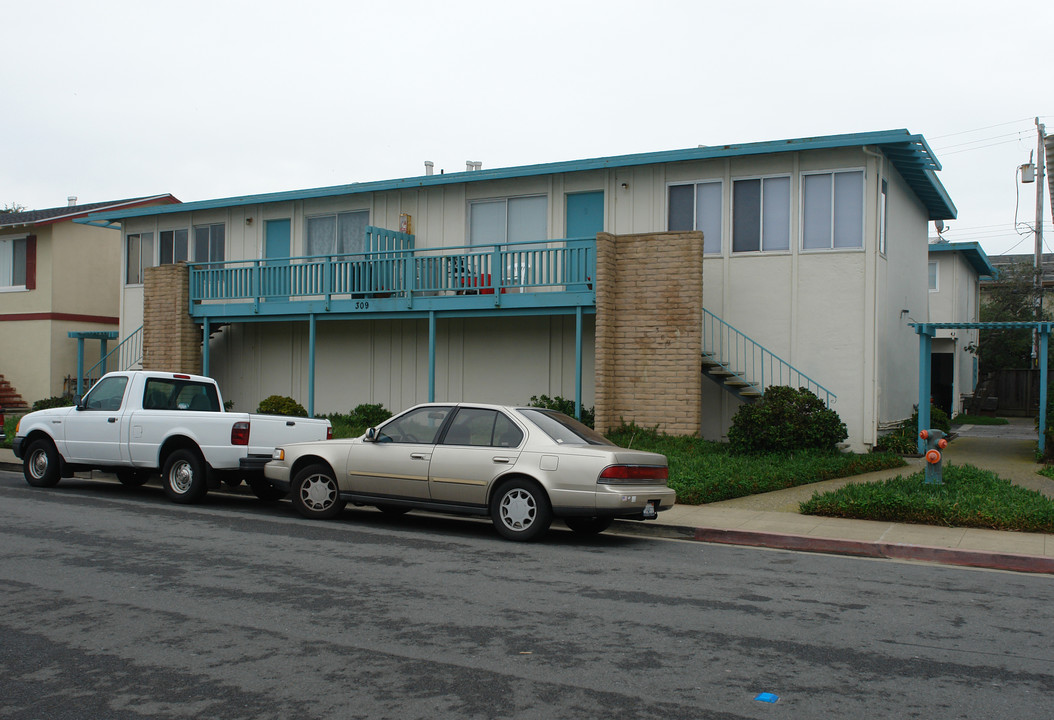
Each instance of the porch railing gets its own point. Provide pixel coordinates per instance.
(751, 361)
(557, 265)
(126, 355)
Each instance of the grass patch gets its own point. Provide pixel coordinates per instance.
(978, 420)
(10, 423)
(702, 471)
(969, 497)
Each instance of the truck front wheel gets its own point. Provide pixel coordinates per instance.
(184, 477)
(41, 465)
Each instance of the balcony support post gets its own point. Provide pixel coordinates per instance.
(205, 330)
(432, 356)
(311, 365)
(578, 362)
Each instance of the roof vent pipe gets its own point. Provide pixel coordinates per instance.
(71, 201)
(429, 167)
(473, 165)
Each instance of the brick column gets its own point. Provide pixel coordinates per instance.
(171, 340)
(649, 328)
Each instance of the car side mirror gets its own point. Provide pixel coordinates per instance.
(371, 435)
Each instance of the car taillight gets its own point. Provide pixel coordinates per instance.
(633, 473)
(240, 433)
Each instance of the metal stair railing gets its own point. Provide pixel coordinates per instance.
(742, 357)
(126, 355)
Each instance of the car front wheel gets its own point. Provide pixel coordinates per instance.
(315, 493)
(520, 510)
(41, 465)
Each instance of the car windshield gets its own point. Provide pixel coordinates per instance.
(562, 428)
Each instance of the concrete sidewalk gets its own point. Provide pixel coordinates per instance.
(772, 519)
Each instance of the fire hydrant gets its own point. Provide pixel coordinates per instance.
(935, 442)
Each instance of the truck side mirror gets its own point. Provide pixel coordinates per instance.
(79, 402)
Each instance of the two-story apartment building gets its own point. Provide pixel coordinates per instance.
(57, 277)
(660, 285)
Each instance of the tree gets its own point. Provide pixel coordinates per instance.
(1013, 297)
(12, 208)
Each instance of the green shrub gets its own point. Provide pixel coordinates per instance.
(54, 401)
(567, 407)
(905, 439)
(281, 405)
(785, 420)
(369, 415)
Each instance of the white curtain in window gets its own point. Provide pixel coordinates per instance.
(6, 263)
(776, 208)
(708, 215)
(487, 223)
(321, 235)
(849, 209)
(351, 227)
(816, 211)
(528, 219)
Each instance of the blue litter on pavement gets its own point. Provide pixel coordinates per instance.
(767, 697)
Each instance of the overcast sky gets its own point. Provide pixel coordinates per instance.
(113, 98)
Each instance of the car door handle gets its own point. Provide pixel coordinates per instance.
(500, 459)
(111, 420)
(419, 456)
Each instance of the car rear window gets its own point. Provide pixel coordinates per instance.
(563, 428)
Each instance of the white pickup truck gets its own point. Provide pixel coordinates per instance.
(137, 423)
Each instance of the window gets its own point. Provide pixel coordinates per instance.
(166, 394)
(13, 263)
(417, 426)
(173, 246)
(209, 243)
(697, 207)
(564, 429)
(139, 251)
(482, 428)
(509, 220)
(934, 265)
(107, 394)
(883, 207)
(761, 214)
(833, 210)
(338, 234)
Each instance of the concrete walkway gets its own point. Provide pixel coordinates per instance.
(772, 519)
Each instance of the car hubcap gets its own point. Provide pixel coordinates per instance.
(518, 509)
(317, 492)
(181, 477)
(38, 464)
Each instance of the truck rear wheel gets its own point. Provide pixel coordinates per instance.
(41, 465)
(184, 477)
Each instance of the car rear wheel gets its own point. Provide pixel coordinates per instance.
(520, 510)
(41, 465)
(184, 477)
(589, 526)
(315, 493)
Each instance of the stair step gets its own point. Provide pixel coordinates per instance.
(737, 382)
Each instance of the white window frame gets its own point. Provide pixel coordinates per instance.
(7, 263)
(935, 286)
(142, 266)
(761, 214)
(505, 231)
(708, 241)
(831, 247)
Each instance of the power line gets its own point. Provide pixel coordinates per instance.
(987, 127)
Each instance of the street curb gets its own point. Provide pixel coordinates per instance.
(889, 551)
(856, 548)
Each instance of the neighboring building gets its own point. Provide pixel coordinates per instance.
(56, 277)
(614, 279)
(955, 272)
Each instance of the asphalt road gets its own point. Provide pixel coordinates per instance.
(115, 603)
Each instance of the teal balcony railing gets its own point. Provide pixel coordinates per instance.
(556, 272)
(752, 362)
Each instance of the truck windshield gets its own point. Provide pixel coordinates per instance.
(174, 394)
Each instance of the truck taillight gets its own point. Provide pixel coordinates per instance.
(633, 473)
(329, 433)
(240, 433)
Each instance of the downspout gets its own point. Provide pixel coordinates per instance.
(880, 175)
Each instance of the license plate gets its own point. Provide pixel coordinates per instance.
(649, 509)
